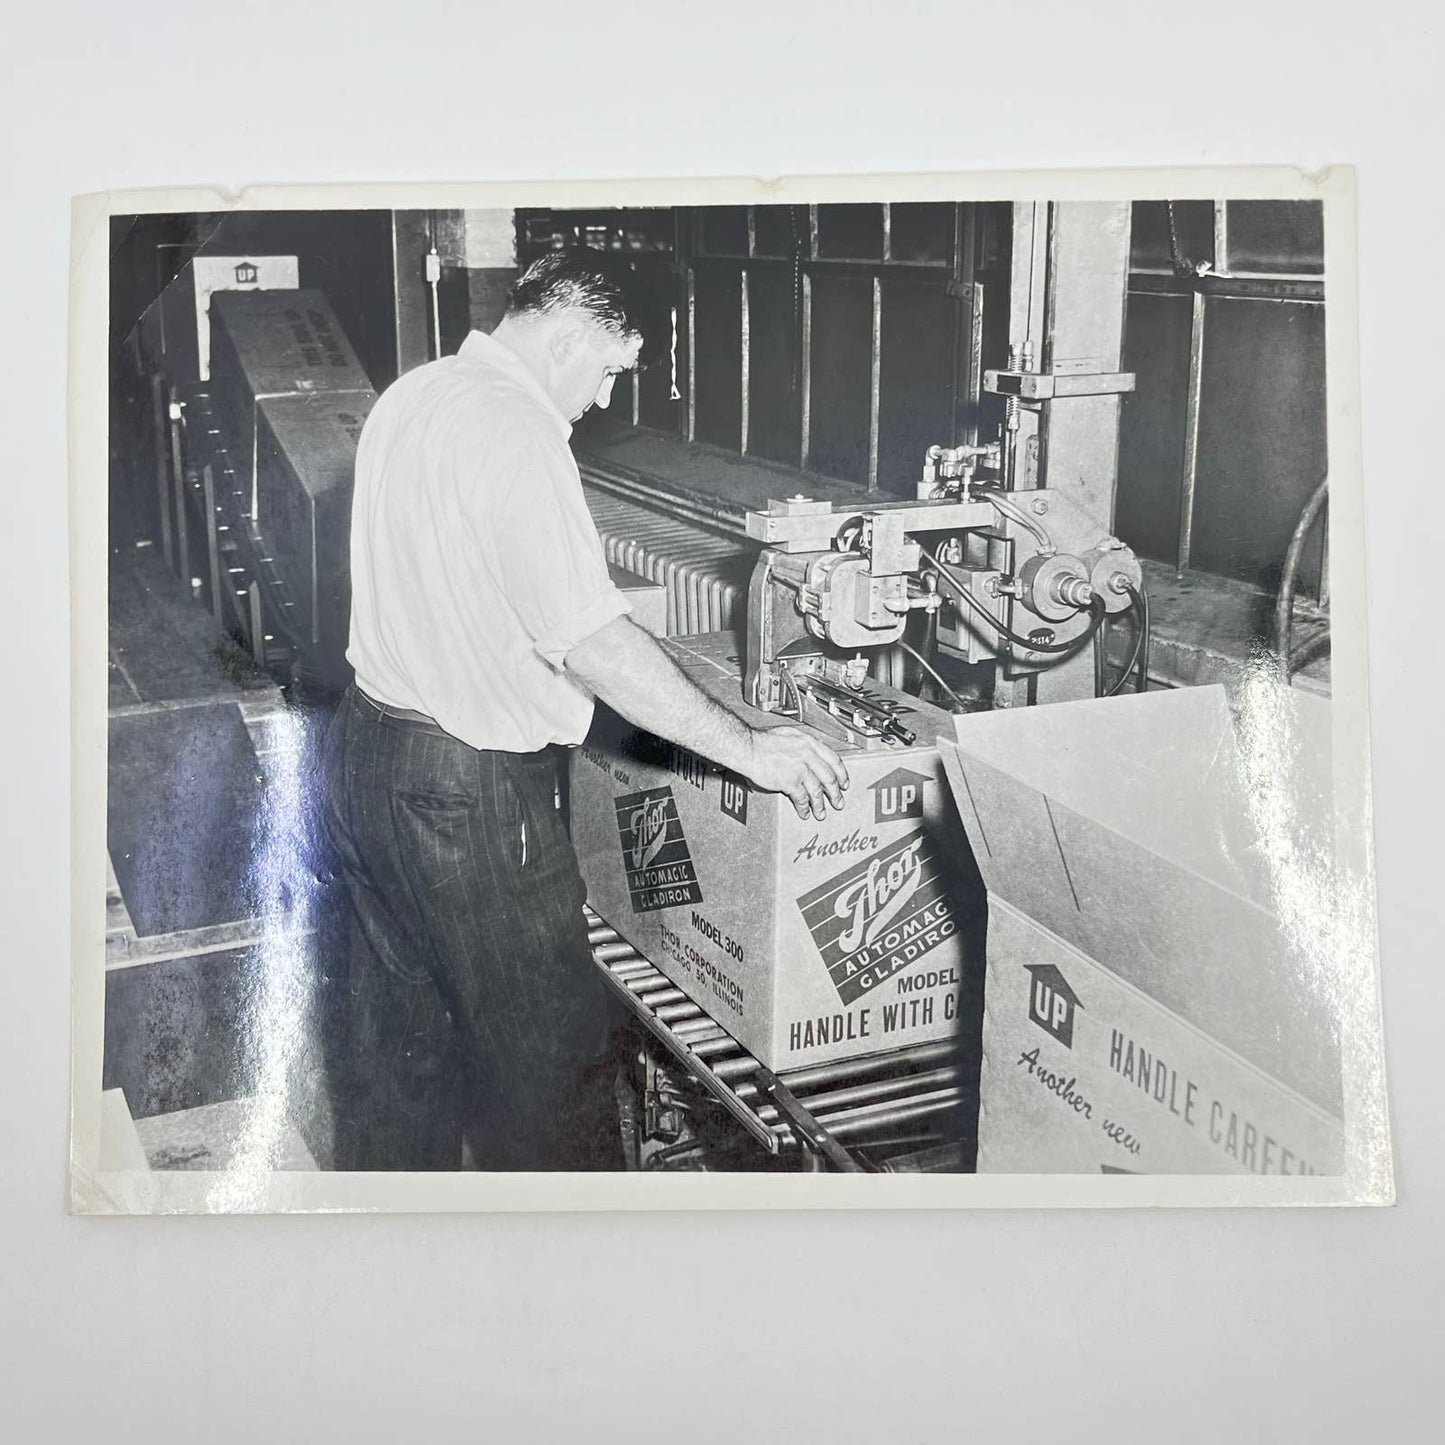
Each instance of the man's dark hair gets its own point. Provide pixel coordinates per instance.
(604, 286)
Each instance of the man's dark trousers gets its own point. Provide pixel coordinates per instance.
(472, 1006)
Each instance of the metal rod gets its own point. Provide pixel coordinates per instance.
(163, 494)
(614, 952)
(806, 369)
(674, 1013)
(746, 339)
(178, 488)
(887, 231)
(691, 354)
(713, 1048)
(734, 1068)
(629, 968)
(869, 1119)
(663, 998)
(886, 1088)
(648, 984)
(696, 1030)
(1221, 238)
(1191, 434)
(875, 392)
(855, 1122)
(820, 1074)
(975, 361)
(752, 231)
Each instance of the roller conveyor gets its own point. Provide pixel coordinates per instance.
(827, 1110)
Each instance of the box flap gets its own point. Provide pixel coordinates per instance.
(1181, 845)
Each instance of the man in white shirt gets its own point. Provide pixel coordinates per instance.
(484, 623)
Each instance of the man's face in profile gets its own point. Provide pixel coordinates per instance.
(589, 365)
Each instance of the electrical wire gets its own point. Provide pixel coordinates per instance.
(1138, 659)
(1096, 609)
(1142, 598)
(932, 672)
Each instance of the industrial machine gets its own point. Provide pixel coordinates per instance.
(1024, 579)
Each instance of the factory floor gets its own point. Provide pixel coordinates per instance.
(210, 811)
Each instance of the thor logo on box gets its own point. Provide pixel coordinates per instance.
(660, 873)
(1052, 1002)
(879, 916)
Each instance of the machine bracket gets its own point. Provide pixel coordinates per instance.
(1057, 386)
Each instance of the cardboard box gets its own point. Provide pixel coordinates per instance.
(274, 343)
(1150, 1006)
(305, 476)
(648, 599)
(179, 325)
(808, 941)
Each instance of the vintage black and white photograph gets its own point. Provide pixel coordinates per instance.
(614, 687)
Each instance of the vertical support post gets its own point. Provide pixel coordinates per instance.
(691, 354)
(875, 385)
(1069, 286)
(745, 336)
(806, 371)
(1028, 334)
(178, 487)
(213, 540)
(1221, 238)
(163, 486)
(1191, 434)
(973, 381)
(410, 300)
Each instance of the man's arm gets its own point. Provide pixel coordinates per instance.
(624, 666)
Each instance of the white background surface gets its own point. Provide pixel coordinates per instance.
(1203, 1326)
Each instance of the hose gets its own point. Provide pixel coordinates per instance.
(1139, 601)
(1284, 606)
(928, 667)
(1002, 502)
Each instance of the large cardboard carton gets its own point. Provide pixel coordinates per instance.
(808, 941)
(274, 343)
(178, 328)
(1156, 895)
(305, 477)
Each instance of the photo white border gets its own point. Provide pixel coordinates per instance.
(1367, 1176)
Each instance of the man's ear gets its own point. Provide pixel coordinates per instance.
(566, 337)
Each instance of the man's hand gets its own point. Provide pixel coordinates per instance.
(623, 666)
(797, 762)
